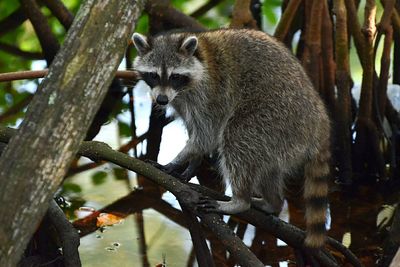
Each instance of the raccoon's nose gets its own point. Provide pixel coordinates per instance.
(162, 99)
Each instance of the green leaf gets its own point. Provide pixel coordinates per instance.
(124, 129)
(99, 177)
(270, 14)
(120, 173)
(71, 188)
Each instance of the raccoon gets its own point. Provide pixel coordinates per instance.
(243, 94)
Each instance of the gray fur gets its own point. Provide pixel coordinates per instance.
(250, 100)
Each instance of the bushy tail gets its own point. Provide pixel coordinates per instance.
(315, 196)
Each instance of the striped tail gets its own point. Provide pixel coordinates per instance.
(315, 196)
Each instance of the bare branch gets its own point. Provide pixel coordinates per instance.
(205, 8)
(12, 21)
(355, 29)
(164, 17)
(68, 234)
(343, 105)
(18, 52)
(384, 24)
(60, 12)
(35, 74)
(313, 43)
(242, 16)
(47, 40)
(286, 20)
(18, 107)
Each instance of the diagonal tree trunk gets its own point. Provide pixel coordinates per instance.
(37, 158)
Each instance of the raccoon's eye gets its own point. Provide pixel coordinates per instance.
(151, 78)
(178, 80)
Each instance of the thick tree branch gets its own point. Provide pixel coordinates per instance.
(68, 234)
(203, 254)
(37, 158)
(242, 16)
(286, 20)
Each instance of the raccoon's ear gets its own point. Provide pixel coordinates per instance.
(141, 44)
(189, 45)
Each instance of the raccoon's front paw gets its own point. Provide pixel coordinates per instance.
(154, 164)
(208, 205)
(170, 168)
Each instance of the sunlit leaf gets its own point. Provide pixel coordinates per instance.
(346, 240)
(142, 25)
(385, 215)
(270, 13)
(108, 219)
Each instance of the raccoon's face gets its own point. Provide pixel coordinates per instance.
(167, 64)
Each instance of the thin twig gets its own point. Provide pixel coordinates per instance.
(35, 74)
(18, 107)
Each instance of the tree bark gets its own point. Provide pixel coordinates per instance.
(343, 105)
(37, 158)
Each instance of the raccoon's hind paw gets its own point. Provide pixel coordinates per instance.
(208, 205)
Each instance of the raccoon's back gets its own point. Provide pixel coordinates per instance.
(268, 80)
(252, 58)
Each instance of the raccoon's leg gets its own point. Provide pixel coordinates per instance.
(241, 191)
(187, 160)
(191, 169)
(237, 204)
(271, 189)
(263, 205)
